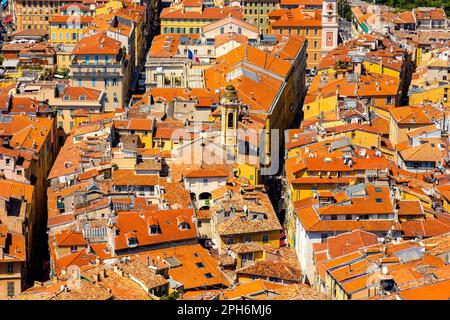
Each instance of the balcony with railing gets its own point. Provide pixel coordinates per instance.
(93, 67)
(97, 69)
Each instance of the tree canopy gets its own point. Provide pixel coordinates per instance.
(411, 4)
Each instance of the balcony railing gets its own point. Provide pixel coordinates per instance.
(93, 70)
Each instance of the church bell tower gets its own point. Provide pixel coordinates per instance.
(229, 105)
(330, 26)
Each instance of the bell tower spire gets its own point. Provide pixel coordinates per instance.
(229, 117)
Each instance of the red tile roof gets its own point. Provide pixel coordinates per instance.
(349, 242)
(69, 238)
(135, 224)
(206, 13)
(98, 43)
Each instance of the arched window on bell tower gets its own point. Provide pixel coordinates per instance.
(230, 120)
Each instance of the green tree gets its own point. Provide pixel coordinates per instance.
(174, 295)
(411, 4)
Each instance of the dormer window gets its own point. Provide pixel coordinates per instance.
(153, 225)
(154, 229)
(131, 239)
(132, 242)
(183, 223)
(184, 226)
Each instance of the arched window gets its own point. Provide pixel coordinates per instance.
(230, 120)
(205, 196)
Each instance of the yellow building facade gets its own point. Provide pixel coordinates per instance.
(434, 93)
(312, 109)
(272, 237)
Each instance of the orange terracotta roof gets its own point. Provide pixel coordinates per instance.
(133, 224)
(429, 13)
(127, 177)
(79, 259)
(172, 133)
(349, 242)
(210, 173)
(14, 189)
(410, 208)
(69, 238)
(28, 133)
(196, 263)
(312, 223)
(166, 45)
(295, 18)
(405, 17)
(428, 227)
(272, 269)
(71, 19)
(434, 291)
(12, 244)
(302, 2)
(227, 20)
(227, 37)
(206, 13)
(74, 93)
(98, 43)
(409, 115)
(250, 288)
(134, 124)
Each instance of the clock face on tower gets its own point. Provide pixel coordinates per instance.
(330, 7)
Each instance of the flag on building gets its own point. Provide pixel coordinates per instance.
(193, 57)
